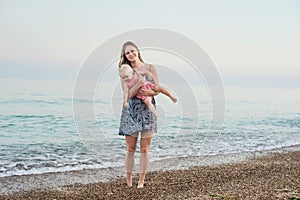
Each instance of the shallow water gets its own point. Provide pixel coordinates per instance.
(40, 131)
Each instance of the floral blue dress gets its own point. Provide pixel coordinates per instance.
(137, 117)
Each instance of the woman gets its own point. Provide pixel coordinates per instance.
(137, 118)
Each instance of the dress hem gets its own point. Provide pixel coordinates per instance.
(123, 134)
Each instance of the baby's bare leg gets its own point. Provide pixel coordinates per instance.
(150, 105)
(163, 90)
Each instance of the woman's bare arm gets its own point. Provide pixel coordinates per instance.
(134, 90)
(154, 75)
(149, 91)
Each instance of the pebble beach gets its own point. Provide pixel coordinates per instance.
(273, 176)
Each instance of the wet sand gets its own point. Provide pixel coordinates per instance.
(273, 176)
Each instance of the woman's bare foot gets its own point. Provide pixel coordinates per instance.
(140, 185)
(129, 179)
(129, 184)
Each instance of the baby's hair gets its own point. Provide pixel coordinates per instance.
(124, 68)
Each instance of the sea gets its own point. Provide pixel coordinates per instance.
(45, 128)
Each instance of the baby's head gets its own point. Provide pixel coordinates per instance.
(126, 72)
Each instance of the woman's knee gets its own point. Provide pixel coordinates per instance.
(145, 149)
(146, 141)
(131, 149)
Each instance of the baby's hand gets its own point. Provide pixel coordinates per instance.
(125, 104)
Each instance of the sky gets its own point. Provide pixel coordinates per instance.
(251, 42)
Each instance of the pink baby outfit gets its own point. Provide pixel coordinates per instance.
(146, 84)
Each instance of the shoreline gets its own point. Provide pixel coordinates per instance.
(67, 183)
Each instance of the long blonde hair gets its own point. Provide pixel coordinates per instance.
(123, 59)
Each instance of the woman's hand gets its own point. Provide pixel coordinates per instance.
(147, 92)
(135, 89)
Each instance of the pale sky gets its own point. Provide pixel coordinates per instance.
(250, 42)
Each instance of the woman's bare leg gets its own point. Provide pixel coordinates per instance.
(131, 141)
(148, 102)
(146, 137)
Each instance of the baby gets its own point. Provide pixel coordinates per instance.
(132, 78)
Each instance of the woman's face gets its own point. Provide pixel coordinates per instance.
(131, 53)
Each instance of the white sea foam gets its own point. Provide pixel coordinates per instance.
(38, 134)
